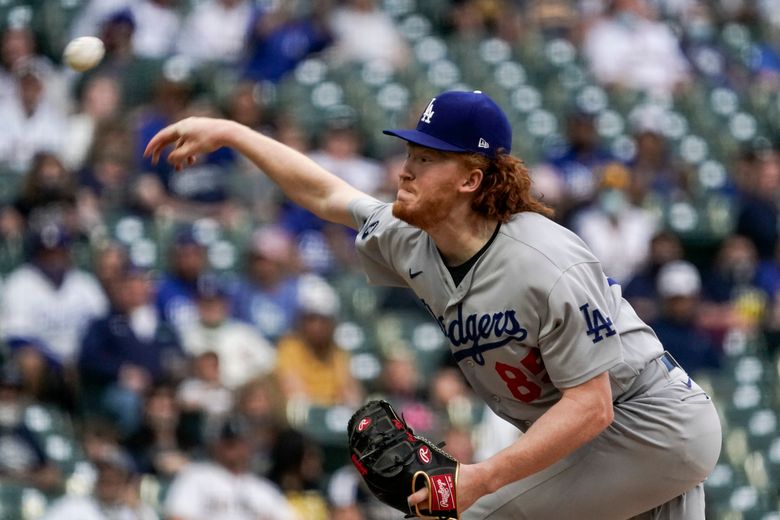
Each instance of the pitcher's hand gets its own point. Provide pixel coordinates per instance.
(471, 485)
(190, 137)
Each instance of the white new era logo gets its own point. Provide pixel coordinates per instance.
(483, 143)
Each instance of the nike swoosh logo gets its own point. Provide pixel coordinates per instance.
(414, 275)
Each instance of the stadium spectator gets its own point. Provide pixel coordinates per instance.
(310, 365)
(262, 405)
(32, 123)
(222, 486)
(401, 383)
(203, 393)
(297, 470)
(177, 290)
(49, 192)
(93, 14)
(324, 248)
(109, 262)
(107, 185)
(127, 351)
(17, 45)
(279, 39)
(43, 378)
(168, 437)
(758, 214)
(340, 151)
(48, 298)
(135, 74)
(200, 191)
(267, 296)
(629, 49)
(115, 495)
(679, 286)
(158, 23)
(641, 290)
(243, 353)
(617, 231)
(23, 459)
(732, 297)
(653, 168)
(578, 164)
(365, 33)
(215, 31)
(99, 101)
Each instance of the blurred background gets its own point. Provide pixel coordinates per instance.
(191, 345)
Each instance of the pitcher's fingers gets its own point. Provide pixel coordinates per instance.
(421, 495)
(182, 151)
(163, 138)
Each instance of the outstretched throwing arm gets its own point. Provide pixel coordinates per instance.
(301, 179)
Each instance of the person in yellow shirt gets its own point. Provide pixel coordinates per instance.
(310, 365)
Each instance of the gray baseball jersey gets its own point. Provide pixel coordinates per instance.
(534, 315)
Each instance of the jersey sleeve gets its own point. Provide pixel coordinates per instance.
(578, 339)
(374, 241)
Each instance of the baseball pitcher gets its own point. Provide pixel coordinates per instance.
(614, 427)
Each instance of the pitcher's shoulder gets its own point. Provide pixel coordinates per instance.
(559, 245)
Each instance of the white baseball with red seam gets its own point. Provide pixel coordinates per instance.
(83, 53)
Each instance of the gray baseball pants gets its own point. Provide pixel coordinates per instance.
(648, 464)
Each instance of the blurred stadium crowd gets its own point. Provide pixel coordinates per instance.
(190, 345)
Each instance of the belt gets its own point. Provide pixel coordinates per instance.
(669, 362)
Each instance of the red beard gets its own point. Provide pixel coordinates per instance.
(428, 210)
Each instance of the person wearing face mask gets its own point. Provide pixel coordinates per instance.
(732, 292)
(618, 232)
(49, 191)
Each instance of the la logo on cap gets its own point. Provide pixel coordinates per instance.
(428, 114)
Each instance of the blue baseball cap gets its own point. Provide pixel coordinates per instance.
(461, 122)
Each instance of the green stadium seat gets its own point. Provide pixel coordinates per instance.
(10, 184)
(55, 431)
(721, 483)
(414, 332)
(18, 502)
(326, 426)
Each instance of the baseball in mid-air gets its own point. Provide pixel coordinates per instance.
(83, 53)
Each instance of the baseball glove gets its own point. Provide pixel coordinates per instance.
(394, 462)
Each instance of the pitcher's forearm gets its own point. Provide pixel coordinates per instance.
(305, 182)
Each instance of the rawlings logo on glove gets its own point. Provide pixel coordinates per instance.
(394, 462)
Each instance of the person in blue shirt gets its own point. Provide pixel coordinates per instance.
(128, 351)
(177, 290)
(267, 296)
(679, 285)
(279, 40)
(579, 162)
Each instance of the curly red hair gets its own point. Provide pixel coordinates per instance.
(505, 188)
